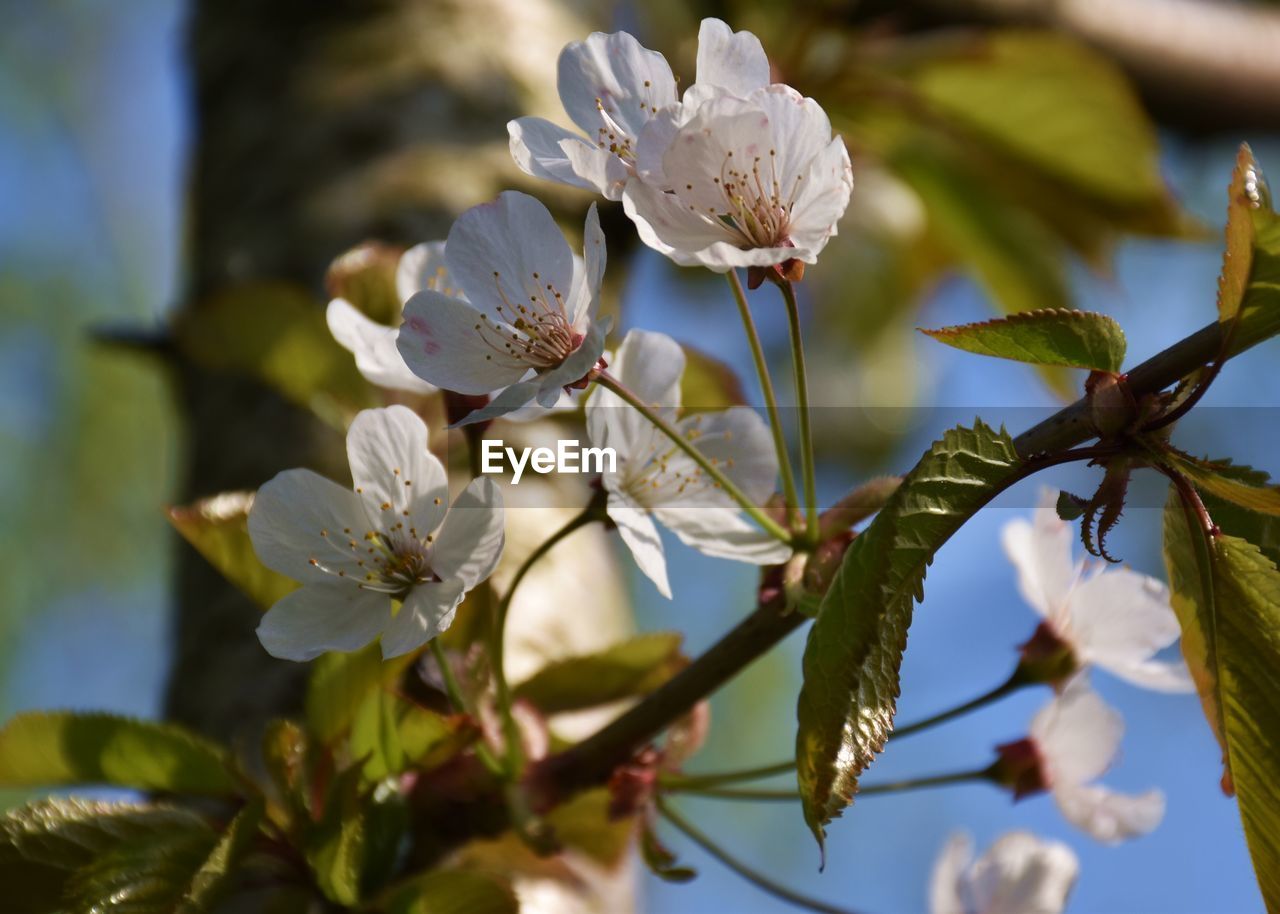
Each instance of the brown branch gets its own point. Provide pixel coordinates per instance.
(590, 762)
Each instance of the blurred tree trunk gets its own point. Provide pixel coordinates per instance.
(316, 126)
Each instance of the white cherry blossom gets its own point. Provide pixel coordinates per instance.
(1019, 874)
(726, 182)
(611, 86)
(656, 480)
(394, 538)
(524, 318)
(1109, 617)
(1073, 741)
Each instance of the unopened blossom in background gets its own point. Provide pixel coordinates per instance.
(1073, 741)
(1109, 617)
(524, 320)
(374, 344)
(611, 86)
(1019, 874)
(394, 538)
(655, 480)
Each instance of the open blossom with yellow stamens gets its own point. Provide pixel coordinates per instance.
(726, 182)
(654, 479)
(524, 320)
(611, 87)
(395, 537)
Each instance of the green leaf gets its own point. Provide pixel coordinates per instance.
(1259, 529)
(40, 749)
(276, 332)
(455, 892)
(286, 755)
(1226, 593)
(392, 735)
(218, 529)
(1053, 103)
(584, 824)
(335, 848)
(1242, 486)
(1066, 338)
(632, 668)
(151, 875)
(340, 683)
(1249, 285)
(212, 879)
(1237, 253)
(386, 822)
(708, 383)
(854, 650)
(1070, 507)
(44, 843)
(1011, 254)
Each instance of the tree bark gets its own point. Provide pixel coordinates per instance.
(306, 116)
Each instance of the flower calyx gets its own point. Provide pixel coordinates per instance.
(1020, 767)
(1046, 658)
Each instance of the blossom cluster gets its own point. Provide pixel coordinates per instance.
(736, 172)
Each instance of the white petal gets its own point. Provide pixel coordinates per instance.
(439, 343)
(724, 533)
(427, 611)
(799, 130)
(323, 617)
(374, 346)
(948, 874)
(1040, 550)
(1021, 874)
(595, 256)
(504, 403)
(726, 133)
(299, 516)
(1157, 675)
(823, 198)
(649, 364)
(400, 481)
(687, 237)
(1107, 815)
(423, 266)
(601, 169)
(739, 442)
(568, 401)
(470, 542)
(641, 536)
(617, 73)
(1077, 733)
(657, 135)
(536, 149)
(734, 61)
(1120, 619)
(515, 237)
